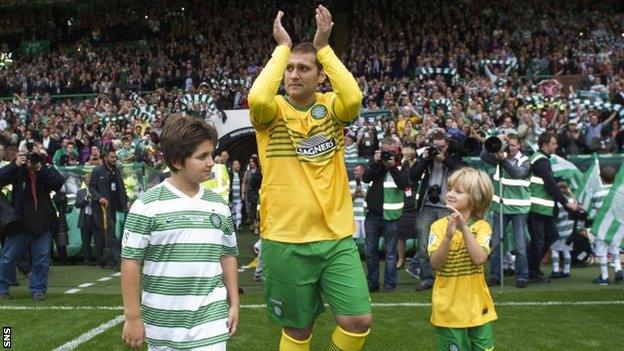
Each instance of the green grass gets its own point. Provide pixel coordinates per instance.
(520, 327)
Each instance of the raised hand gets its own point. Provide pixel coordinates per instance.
(279, 33)
(324, 26)
(455, 220)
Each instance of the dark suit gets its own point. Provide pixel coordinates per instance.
(86, 226)
(100, 186)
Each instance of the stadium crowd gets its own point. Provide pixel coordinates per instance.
(470, 69)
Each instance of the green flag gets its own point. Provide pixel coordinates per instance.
(609, 222)
(565, 169)
(589, 184)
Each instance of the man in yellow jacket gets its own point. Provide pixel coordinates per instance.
(305, 202)
(220, 182)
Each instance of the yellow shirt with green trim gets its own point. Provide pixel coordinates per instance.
(305, 193)
(460, 297)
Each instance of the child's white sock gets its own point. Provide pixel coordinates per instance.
(567, 260)
(604, 273)
(555, 260)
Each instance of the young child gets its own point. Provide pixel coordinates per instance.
(184, 238)
(459, 244)
(565, 226)
(607, 175)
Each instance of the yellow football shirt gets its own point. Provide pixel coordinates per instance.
(305, 193)
(460, 297)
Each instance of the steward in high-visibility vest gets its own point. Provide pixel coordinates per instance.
(516, 194)
(544, 194)
(220, 183)
(541, 201)
(516, 203)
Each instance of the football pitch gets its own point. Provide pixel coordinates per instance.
(83, 311)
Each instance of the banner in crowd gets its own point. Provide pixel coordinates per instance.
(374, 116)
(609, 222)
(434, 71)
(509, 62)
(137, 177)
(35, 46)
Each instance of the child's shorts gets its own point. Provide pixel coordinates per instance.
(479, 338)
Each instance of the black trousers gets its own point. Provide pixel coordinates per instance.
(109, 252)
(543, 232)
(89, 234)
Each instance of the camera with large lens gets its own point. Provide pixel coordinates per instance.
(433, 151)
(386, 155)
(10, 222)
(434, 193)
(579, 215)
(494, 144)
(33, 157)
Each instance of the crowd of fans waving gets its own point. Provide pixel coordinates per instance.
(473, 69)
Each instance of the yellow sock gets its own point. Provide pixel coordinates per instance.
(289, 344)
(346, 341)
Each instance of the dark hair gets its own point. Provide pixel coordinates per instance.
(438, 135)
(544, 138)
(255, 160)
(180, 137)
(607, 174)
(515, 137)
(307, 48)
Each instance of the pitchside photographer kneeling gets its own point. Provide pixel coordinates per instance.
(32, 182)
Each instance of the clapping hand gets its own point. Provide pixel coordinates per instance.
(279, 33)
(324, 26)
(455, 221)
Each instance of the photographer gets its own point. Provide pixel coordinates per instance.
(438, 161)
(32, 183)
(385, 205)
(516, 204)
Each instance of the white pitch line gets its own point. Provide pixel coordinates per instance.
(62, 308)
(86, 285)
(90, 334)
(398, 304)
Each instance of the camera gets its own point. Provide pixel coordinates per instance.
(33, 157)
(494, 144)
(386, 155)
(434, 193)
(580, 215)
(433, 151)
(9, 219)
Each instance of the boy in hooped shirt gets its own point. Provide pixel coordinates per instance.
(185, 238)
(459, 244)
